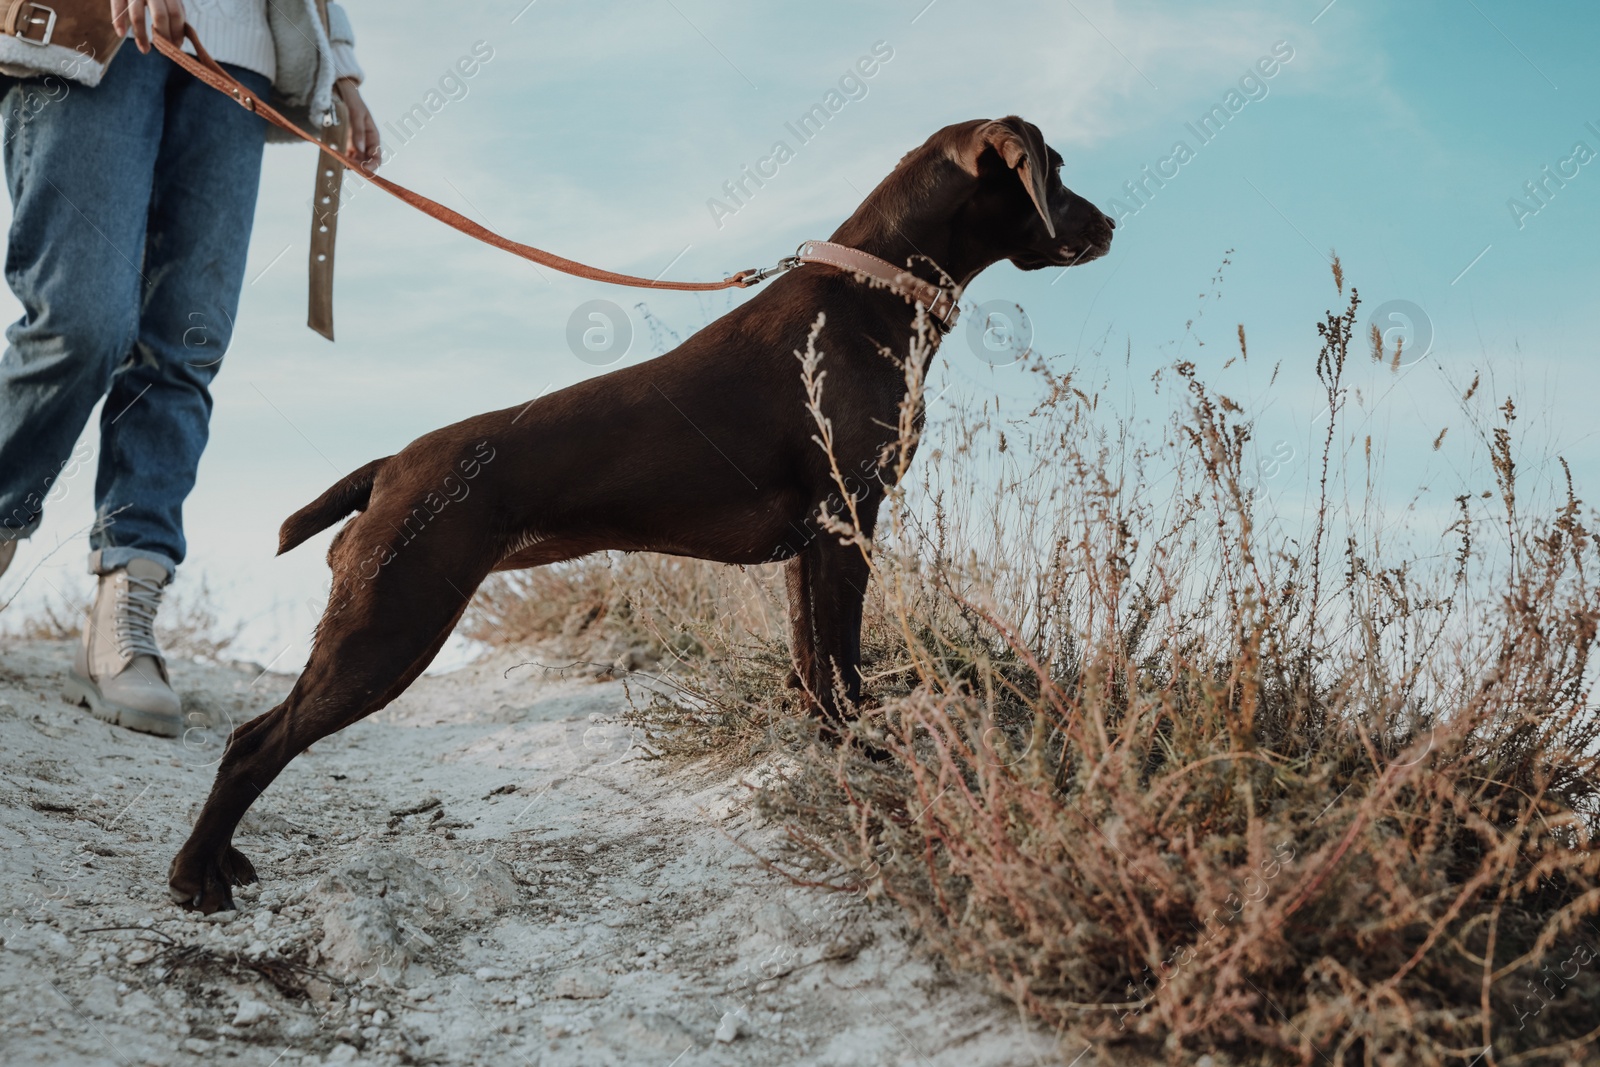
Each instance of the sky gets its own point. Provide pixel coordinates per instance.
(1403, 138)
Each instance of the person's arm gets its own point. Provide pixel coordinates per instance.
(362, 141)
(167, 15)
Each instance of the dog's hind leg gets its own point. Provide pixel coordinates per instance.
(376, 636)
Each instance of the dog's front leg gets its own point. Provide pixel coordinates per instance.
(827, 584)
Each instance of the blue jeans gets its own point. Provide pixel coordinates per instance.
(132, 205)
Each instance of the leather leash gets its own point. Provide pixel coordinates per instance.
(940, 301)
(202, 66)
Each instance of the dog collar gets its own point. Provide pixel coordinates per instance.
(938, 300)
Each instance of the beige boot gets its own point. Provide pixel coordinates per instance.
(8, 551)
(119, 673)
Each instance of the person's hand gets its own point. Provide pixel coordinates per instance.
(166, 14)
(362, 140)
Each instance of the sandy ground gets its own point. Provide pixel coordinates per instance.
(487, 872)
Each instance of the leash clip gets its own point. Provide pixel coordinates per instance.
(755, 277)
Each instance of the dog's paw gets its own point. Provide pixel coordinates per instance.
(205, 884)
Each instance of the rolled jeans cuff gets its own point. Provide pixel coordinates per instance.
(106, 560)
(8, 532)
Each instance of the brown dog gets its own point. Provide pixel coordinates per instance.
(707, 451)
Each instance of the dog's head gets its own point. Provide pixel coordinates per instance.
(976, 193)
(1017, 200)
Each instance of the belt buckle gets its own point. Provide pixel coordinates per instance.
(31, 17)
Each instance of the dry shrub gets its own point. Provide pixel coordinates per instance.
(707, 636)
(187, 627)
(1174, 773)
(567, 600)
(49, 620)
(1168, 770)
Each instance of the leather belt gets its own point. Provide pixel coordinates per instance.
(77, 25)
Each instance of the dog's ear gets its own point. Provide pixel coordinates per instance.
(1021, 146)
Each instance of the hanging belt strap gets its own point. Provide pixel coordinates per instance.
(325, 213)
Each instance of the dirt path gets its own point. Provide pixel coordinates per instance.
(493, 876)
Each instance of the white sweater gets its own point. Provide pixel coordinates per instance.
(236, 31)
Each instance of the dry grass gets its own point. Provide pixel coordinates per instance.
(1172, 773)
(188, 625)
(709, 635)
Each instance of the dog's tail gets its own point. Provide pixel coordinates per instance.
(348, 494)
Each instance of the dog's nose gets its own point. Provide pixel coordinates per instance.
(1111, 223)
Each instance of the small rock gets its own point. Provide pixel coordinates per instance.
(731, 1026)
(778, 921)
(490, 974)
(139, 1005)
(360, 937)
(582, 985)
(102, 993)
(250, 1012)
